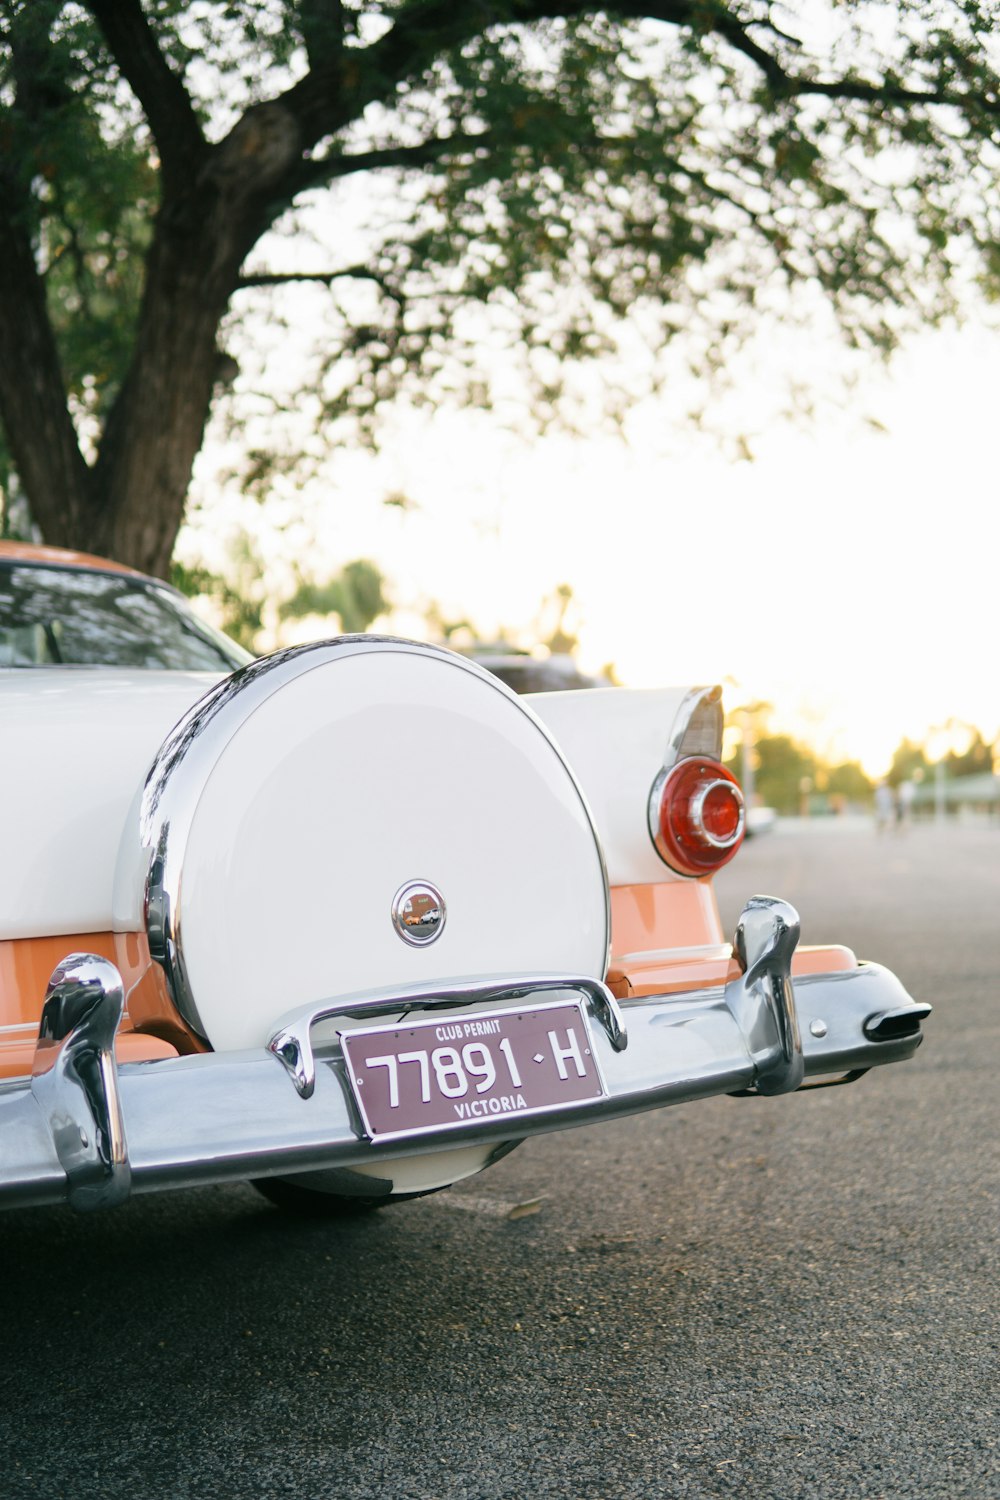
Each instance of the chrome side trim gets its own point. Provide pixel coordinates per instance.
(188, 754)
(74, 1080)
(291, 1041)
(674, 955)
(697, 726)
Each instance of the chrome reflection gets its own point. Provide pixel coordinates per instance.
(292, 1040)
(75, 1080)
(763, 1002)
(697, 814)
(697, 726)
(892, 1025)
(419, 913)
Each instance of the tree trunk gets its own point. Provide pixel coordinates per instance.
(38, 425)
(140, 481)
(203, 234)
(130, 503)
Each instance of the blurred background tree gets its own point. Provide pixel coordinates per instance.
(849, 782)
(237, 596)
(969, 753)
(356, 596)
(974, 760)
(782, 767)
(552, 179)
(909, 763)
(240, 597)
(782, 772)
(791, 777)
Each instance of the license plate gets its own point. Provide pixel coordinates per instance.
(461, 1071)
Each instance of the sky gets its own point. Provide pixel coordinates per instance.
(848, 574)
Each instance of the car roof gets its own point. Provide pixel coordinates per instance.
(61, 557)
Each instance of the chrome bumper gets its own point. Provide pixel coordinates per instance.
(89, 1132)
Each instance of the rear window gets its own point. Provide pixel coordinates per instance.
(75, 617)
(528, 675)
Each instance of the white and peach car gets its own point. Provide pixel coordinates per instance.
(353, 920)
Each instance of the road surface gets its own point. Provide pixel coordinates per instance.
(788, 1298)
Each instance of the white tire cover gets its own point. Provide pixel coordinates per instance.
(286, 812)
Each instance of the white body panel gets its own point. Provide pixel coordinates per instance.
(88, 736)
(617, 740)
(75, 743)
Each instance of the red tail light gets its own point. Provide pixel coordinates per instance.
(696, 816)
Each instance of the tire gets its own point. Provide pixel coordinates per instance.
(313, 1203)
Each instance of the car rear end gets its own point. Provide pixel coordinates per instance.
(394, 920)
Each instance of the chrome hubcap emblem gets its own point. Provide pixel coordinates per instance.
(418, 913)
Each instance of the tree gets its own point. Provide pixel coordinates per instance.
(538, 168)
(783, 769)
(973, 761)
(849, 782)
(356, 594)
(909, 763)
(241, 596)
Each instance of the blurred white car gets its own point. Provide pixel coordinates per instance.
(760, 820)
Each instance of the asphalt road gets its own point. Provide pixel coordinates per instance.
(796, 1297)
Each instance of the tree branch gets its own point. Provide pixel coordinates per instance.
(162, 95)
(323, 278)
(320, 171)
(335, 94)
(424, 30)
(712, 18)
(890, 95)
(322, 23)
(717, 19)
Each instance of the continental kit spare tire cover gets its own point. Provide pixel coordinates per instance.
(295, 821)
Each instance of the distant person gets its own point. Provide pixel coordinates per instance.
(885, 807)
(905, 794)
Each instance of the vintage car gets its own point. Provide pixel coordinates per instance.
(352, 920)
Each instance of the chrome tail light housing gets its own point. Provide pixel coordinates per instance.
(696, 815)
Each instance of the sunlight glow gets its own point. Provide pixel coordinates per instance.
(848, 575)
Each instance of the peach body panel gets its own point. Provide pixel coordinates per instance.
(62, 557)
(676, 914)
(150, 1029)
(668, 938)
(656, 932)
